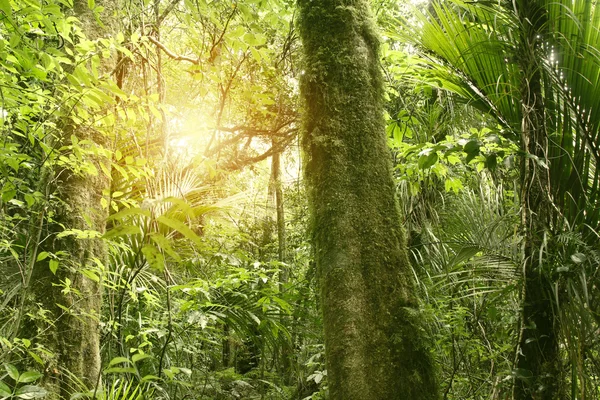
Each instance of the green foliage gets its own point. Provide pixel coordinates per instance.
(170, 111)
(20, 386)
(465, 261)
(481, 53)
(119, 390)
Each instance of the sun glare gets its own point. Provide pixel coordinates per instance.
(189, 134)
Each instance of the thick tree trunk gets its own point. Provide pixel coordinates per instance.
(538, 355)
(374, 339)
(72, 299)
(70, 329)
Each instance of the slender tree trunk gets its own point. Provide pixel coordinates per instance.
(281, 256)
(160, 82)
(286, 347)
(374, 338)
(538, 355)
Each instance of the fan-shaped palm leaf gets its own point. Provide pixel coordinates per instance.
(474, 49)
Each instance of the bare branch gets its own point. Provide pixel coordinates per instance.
(172, 55)
(276, 148)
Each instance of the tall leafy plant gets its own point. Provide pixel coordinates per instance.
(524, 64)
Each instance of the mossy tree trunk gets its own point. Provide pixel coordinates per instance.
(375, 342)
(71, 299)
(538, 362)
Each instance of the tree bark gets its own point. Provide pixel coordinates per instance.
(376, 346)
(538, 356)
(72, 333)
(71, 300)
(278, 184)
(284, 273)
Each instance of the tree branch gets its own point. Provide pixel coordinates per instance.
(242, 132)
(166, 12)
(278, 148)
(172, 55)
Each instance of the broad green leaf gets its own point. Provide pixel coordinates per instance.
(164, 244)
(137, 357)
(179, 204)
(5, 390)
(8, 192)
(53, 266)
(31, 392)
(472, 150)
(122, 230)
(12, 371)
(37, 358)
(169, 373)
(154, 257)
(5, 8)
(29, 199)
(255, 54)
(126, 212)
(428, 160)
(453, 184)
(90, 274)
(472, 146)
(119, 360)
(491, 161)
(14, 253)
(121, 170)
(29, 376)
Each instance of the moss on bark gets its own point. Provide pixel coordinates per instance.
(375, 342)
(72, 301)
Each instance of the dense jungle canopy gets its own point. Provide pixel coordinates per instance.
(311, 199)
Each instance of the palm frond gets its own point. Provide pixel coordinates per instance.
(473, 248)
(468, 51)
(573, 81)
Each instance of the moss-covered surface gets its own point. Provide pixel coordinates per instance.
(70, 329)
(72, 301)
(374, 339)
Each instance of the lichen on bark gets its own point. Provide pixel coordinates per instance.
(375, 342)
